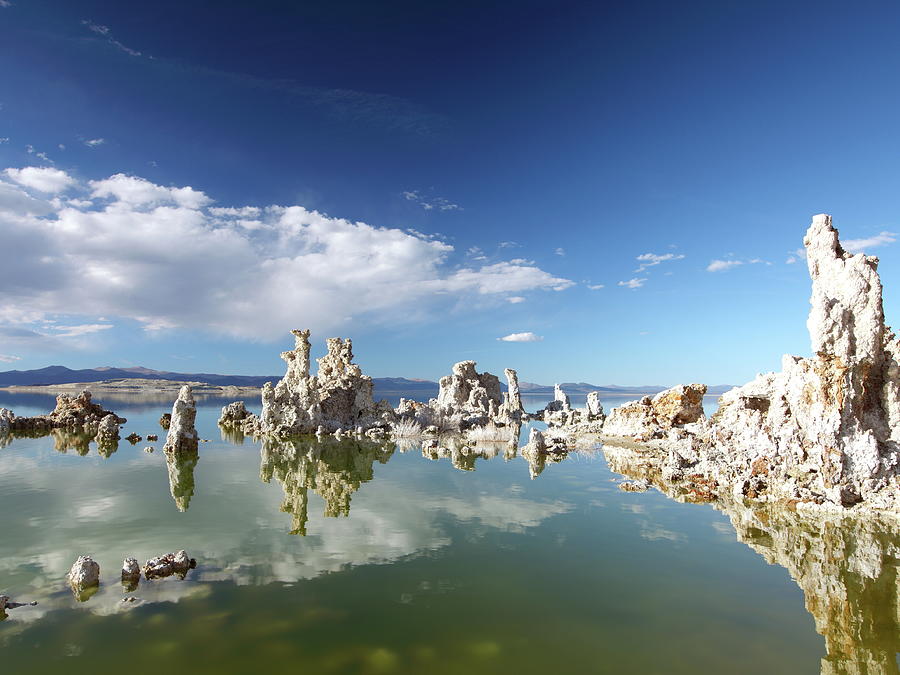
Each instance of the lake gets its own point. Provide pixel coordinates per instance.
(352, 557)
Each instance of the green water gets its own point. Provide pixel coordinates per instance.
(361, 558)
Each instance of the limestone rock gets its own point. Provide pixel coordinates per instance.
(234, 414)
(512, 407)
(825, 429)
(131, 570)
(648, 417)
(73, 413)
(182, 436)
(84, 574)
(107, 430)
(6, 419)
(339, 396)
(469, 392)
(166, 565)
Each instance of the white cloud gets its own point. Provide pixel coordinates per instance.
(43, 179)
(94, 142)
(651, 259)
(104, 31)
(431, 203)
(722, 265)
(3, 140)
(83, 329)
(160, 256)
(7, 358)
(794, 256)
(515, 299)
(860, 245)
(131, 191)
(521, 337)
(597, 287)
(5, 3)
(633, 283)
(560, 251)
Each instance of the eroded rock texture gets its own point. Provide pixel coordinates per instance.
(338, 397)
(825, 429)
(821, 434)
(84, 577)
(71, 413)
(182, 436)
(469, 393)
(653, 417)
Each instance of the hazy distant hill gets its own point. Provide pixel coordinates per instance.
(384, 386)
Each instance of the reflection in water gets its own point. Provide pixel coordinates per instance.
(65, 440)
(180, 466)
(846, 568)
(332, 469)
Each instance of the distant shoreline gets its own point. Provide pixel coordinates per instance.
(132, 386)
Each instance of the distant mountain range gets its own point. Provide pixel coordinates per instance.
(384, 386)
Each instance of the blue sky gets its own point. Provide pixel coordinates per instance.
(429, 177)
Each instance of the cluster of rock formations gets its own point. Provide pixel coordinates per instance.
(72, 414)
(84, 576)
(823, 433)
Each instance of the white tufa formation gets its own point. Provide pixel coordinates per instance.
(653, 417)
(85, 573)
(825, 429)
(182, 436)
(339, 397)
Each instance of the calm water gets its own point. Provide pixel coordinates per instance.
(362, 558)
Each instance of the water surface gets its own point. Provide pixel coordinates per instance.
(367, 558)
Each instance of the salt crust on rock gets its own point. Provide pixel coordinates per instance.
(822, 434)
(182, 436)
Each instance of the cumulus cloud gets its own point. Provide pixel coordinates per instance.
(633, 283)
(163, 256)
(521, 337)
(7, 358)
(43, 179)
(597, 287)
(560, 251)
(94, 142)
(652, 259)
(515, 299)
(860, 245)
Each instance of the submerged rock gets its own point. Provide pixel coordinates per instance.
(182, 436)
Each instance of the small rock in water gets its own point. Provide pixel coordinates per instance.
(149, 448)
(152, 437)
(635, 486)
(169, 564)
(165, 420)
(85, 573)
(133, 438)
